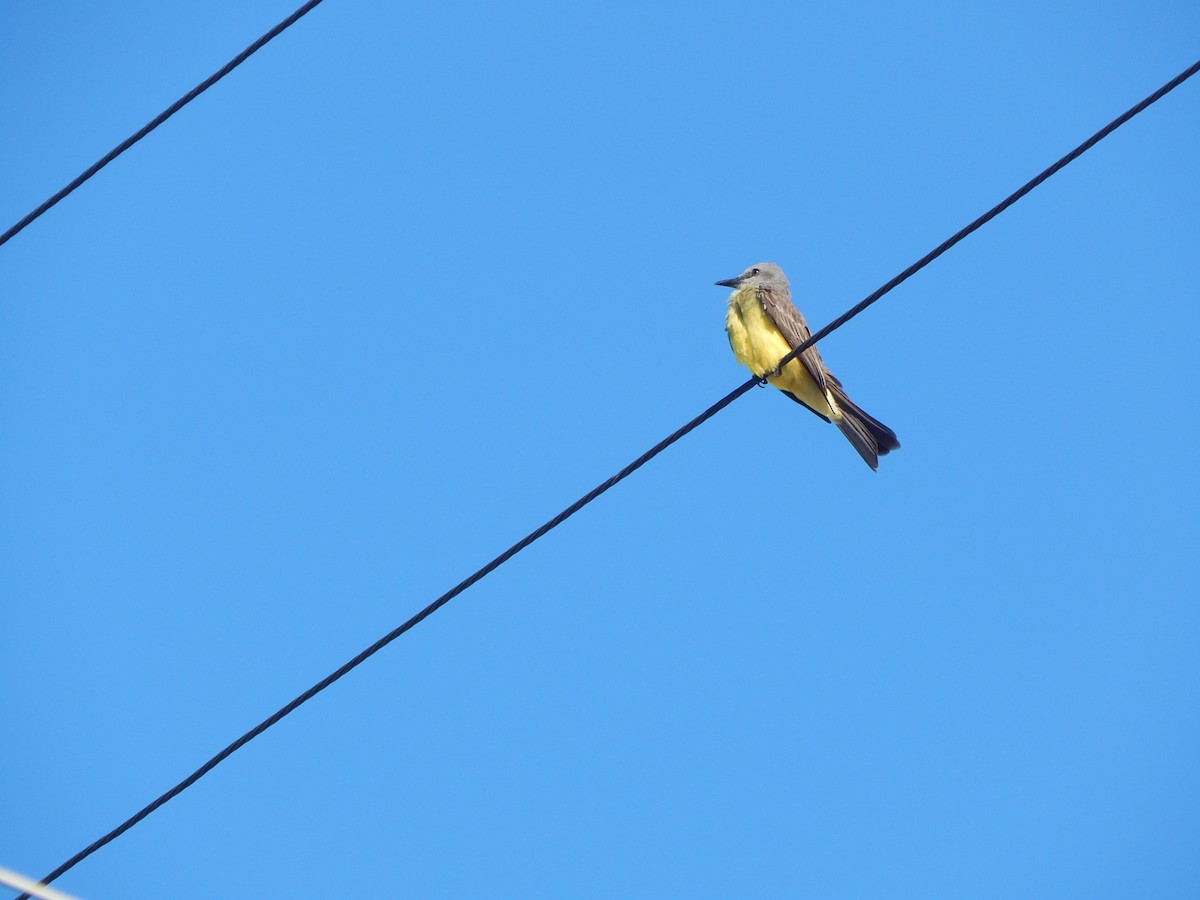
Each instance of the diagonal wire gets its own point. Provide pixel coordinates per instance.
(158, 120)
(611, 482)
(996, 210)
(32, 888)
(397, 632)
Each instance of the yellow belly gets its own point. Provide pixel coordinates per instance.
(758, 345)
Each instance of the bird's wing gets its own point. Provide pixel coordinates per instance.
(791, 324)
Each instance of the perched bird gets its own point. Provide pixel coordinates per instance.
(764, 326)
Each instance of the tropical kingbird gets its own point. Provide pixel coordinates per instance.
(764, 327)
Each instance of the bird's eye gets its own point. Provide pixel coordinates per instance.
(754, 271)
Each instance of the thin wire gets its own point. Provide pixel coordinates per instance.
(604, 486)
(392, 635)
(995, 210)
(159, 119)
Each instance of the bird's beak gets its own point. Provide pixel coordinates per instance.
(729, 282)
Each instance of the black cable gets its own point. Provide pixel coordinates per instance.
(392, 635)
(995, 210)
(601, 488)
(159, 119)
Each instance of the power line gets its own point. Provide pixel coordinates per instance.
(159, 119)
(997, 209)
(9, 878)
(628, 470)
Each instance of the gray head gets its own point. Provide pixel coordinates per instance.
(759, 275)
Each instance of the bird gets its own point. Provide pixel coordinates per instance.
(764, 326)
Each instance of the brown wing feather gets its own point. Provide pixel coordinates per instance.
(790, 322)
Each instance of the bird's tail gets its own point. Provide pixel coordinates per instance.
(870, 437)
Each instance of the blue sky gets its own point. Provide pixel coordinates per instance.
(414, 278)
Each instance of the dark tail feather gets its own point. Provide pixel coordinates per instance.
(870, 437)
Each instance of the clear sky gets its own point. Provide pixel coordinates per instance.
(417, 276)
